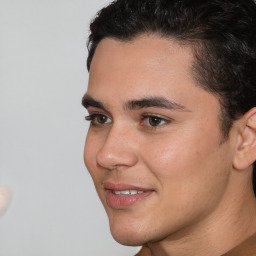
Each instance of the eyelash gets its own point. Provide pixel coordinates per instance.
(162, 121)
(91, 118)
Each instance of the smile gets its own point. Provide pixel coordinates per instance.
(121, 196)
(127, 192)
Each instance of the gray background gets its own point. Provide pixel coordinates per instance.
(54, 209)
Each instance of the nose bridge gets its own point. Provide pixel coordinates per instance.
(118, 148)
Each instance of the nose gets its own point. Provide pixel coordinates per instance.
(118, 149)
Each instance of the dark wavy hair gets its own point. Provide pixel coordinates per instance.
(222, 34)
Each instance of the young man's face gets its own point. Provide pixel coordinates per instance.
(154, 148)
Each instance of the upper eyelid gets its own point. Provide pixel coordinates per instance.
(167, 120)
(154, 115)
(96, 110)
(94, 114)
(92, 117)
(157, 115)
(142, 116)
(104, 111)
(162, 118)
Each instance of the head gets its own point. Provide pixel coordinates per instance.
(218, 38)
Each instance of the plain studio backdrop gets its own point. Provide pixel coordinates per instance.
(54, 209)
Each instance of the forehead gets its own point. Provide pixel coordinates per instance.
(143, 54)
(145, 66)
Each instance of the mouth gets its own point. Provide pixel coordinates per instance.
(127, 192)
(120, 196)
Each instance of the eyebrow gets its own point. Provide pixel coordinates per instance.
(158, 102)
(147, 102)
(88, 101)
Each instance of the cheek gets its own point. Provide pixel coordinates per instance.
(188, 167)
(181, 150)
(88, 149)
(169, 156)
(90, 152)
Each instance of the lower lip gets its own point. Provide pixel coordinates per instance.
(118, 202)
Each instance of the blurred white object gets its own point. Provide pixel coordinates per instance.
(5, 198)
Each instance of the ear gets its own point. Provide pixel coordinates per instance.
(246, 148)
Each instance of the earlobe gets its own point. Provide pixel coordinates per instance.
(246, 149)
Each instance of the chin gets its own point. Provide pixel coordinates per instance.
(128, 239)
(130, 234)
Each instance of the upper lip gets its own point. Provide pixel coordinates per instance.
(122, 186)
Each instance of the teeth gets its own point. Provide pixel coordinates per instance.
(127, 192)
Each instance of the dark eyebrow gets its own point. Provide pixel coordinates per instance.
(158, 102)
(88, 101)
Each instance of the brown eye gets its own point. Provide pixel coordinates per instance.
(154, 121)
(101, 119)
(98, 119)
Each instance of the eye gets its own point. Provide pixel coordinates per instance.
(98, 119)
(154, 121)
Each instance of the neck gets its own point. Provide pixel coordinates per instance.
(231, 223)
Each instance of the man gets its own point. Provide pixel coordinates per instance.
(172, 141)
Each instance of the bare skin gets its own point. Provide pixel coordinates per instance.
(5, 197)
(154, 129)
(246, 248)
(144, 251)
